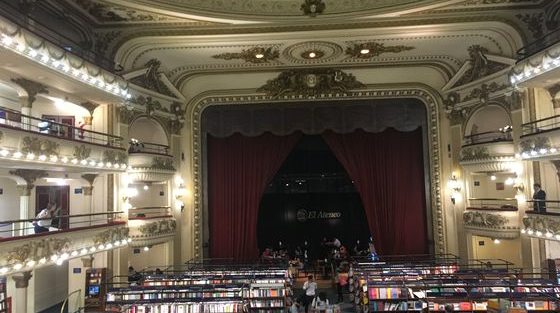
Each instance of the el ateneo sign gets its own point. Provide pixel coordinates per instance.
(305, 215)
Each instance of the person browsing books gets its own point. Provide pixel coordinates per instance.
(310, 287)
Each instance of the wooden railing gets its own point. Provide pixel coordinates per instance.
(147, 147)
(487, 137)
(493, 204)
(145, 213)
(542, 125)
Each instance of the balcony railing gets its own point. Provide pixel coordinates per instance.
(538, 45)
(14, 15)
(16, 120)
(145, 213)
(15, 229)
(487, 137)
(542, 125)
(551, 207)
(148, 147)
(493, 204)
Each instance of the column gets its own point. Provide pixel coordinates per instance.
(24, 195)
(77, 281)
(88, 191)
(25, 110)
(19, 302)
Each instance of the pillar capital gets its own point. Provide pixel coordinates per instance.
(32, 88)
(90, 178)
(88, 261)
(22, 279)
(30, 176)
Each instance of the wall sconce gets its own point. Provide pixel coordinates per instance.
(180, 192)
(455, 188)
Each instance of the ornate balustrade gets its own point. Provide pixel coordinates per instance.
(541, 225)
(151, 225)
(492, 217)
(488, 152)
(29, 139)
(150, 162)
(541, 139)
(24, 253)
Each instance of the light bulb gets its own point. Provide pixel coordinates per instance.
(17, 155)
(18, 266)
(496, 241)
(146, 248)
(64, 160)
(364, 51)
(4, 152)
(43, 261)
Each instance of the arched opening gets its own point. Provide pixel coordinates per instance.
(386, 151)
(148, 130)
(485, 119)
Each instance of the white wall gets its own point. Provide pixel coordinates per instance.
(47, 106)
(509, 250)
(487, 187)
(489, 118)
(50, 286)
(155, 257)
(150, 197)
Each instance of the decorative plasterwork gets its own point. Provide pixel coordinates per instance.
(152, 78)
(160, 163)
(313, 7)
(492, 224)
(372, 49)
(150, 175)
(32, 88)
(474, 153)
(542, 62)
(424, 94)
(325, 51)
(81, 152)
(44, 53)
(253, 55)
(25, 254)
(532, 146)
(90, 106)
(310, 83)
(144, 233)
(105, 13)
(90, 178)
(115, 157)
(37, 147)
(542, 226)
(534, 23)
(480, 66)
(30, 176)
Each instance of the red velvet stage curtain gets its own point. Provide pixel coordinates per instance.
(388, 171)
(239, 169)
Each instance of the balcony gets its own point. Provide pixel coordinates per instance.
(540, 139)
(492, 217)
(543, 225)
(150, 162)
(79, 235)
(488, 152)
(48, 145)
(151, 225)
(538, 62)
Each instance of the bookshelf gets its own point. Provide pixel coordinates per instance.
(3, 296)
(413, 288)
(96, 279)
(212, 291)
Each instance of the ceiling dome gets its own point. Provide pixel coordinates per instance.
(281, 9)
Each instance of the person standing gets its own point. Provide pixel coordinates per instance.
(44, 219)
(539, 198)
(310, 288)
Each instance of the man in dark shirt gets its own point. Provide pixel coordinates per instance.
(539, 198)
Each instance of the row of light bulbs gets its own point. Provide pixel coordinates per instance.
(538, 233)
(59, 259)
(536, 70)
(54, 159)
(43, 58)
(534, 153)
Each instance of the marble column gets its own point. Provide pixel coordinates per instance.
(24, 197)
(19, 302)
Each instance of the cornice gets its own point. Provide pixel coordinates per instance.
(441, 67)
(178, 30)
(426, 94)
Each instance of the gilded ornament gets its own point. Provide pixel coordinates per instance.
(111, 235)
(152, 78)
(162, 164)
(483, 219)
(313, 7)
(310, 83)
(38, 146)
(534, 23)
(483, 93)
(474, 153)
(81, 152)
(32, 88)
(480, 66)
(157, 228)
(253, 55)
(534, 144)
(372, 49)
(37, 249)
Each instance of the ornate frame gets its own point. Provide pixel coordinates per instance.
(426, 94)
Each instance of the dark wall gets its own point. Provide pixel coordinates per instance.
(281, 218)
